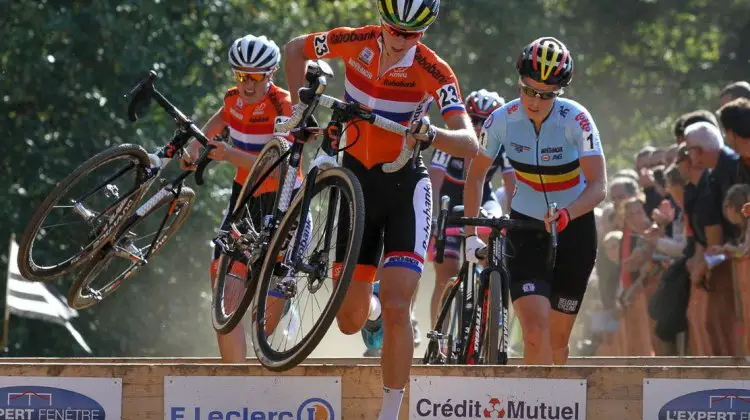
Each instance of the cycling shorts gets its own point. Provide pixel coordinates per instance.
(398, 218)
(566, 284)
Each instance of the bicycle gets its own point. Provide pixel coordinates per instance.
(474, 311)
(270, 248)
(108, 233)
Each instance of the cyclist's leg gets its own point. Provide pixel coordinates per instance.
(576, 255)
(232, 346)
(358, 304)
(529, 290)
(406, 238)
(443, 273)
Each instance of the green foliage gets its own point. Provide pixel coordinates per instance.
(64, 67)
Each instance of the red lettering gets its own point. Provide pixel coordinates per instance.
(583, 122)
(513, 109)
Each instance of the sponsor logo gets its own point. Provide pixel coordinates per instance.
(564, 111)
(399, 83)
(420, 111)
(496, 408)
(363, 71)
(431, 68)
(552, 149)
(42, 402)
(399, 74)
(583, 122)
(235, 113)
(427, 212)
(366, 55)
(512, 109)
(259, 109)
(310, 409)
(519, 148)
(713, 404)
(258, 119)
(352, 37)
(528, 287)
(567, 305)
(320, 45)
(488, 122)
(545, 158)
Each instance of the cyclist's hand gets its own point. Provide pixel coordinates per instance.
(422, 132)
(746, 210)
(187, 161)
(473, 244)
(220, 151)
(561, 216)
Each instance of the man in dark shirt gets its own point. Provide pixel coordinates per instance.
(735, 118)
(707, 150)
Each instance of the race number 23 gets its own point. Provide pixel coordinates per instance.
(448, 95)
(320, 44)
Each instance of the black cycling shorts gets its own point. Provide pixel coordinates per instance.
(398, 218)
(576, 255)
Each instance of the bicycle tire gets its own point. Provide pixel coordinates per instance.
(224, 323)
(496, 317)
(448, 324)
(282, 361)
(78, 300)
(31, 271)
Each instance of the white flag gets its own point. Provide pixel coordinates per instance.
(37, 300)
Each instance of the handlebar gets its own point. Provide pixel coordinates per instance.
(141, 96)
(496, 224)
(313, 96)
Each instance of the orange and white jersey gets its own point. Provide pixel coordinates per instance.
(403, 93)
(251, 126)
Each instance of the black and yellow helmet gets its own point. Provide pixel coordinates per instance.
(546, 60)
(409, 15)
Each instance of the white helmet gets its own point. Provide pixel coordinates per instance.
(482, 102)
(256, 54)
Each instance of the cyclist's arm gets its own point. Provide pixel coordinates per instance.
(459, 139)
(595, 171)
(585, 137)
(211, 129)
(437, 176)
(295, 63)
(310, 47)
(474, 187)
(509, 180)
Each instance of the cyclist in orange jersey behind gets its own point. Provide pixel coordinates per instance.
(249, 111)
(390, 71)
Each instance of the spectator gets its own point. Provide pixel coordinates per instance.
(733, 91)
(735, 118)
(621, 189)
(658, 158)
(671, 155)
(686, 120)
(626, 173)
(643, 158)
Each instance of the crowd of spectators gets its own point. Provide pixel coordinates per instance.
(673, 271)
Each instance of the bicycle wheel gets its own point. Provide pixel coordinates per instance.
(496, 319)
(238, 267)
(97, 206)
(128, 253)
(448, 324)
(281, 280)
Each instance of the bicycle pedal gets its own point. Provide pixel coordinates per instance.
(434, 335)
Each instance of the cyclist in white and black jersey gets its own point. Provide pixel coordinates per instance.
(554, 148)
(447, 174)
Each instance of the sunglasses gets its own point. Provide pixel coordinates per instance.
(477, 120)
(255, 77)
(543, 95)
(401, 34)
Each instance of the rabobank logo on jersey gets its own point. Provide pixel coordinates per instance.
(252, 398)
(42, 403)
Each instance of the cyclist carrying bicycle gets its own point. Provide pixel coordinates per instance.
(249, 111)
(447, 177)
(554, 148)
(389, 70)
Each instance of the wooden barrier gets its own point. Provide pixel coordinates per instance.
(374, 361)
(614, 392)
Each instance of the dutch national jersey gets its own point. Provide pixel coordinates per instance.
(251, 126)
(546, 166)
(404, 92)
